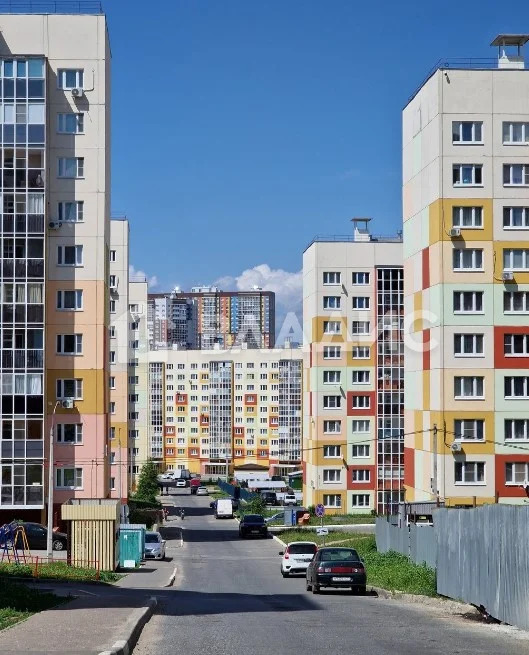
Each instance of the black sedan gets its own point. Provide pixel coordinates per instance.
(336, 567)
(253, 524)
(37, 536)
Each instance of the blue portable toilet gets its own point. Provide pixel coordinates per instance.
(131, 544)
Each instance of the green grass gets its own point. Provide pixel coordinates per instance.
(345, 519)
(391, 571)
(18, 602)
(56, 571)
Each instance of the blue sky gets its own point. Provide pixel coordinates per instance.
(242, 128)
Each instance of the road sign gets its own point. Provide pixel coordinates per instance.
(320, 510)
(322, 531)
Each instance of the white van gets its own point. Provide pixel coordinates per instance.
(224, 508)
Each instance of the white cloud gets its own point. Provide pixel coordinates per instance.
(152, 281)
(287, 286)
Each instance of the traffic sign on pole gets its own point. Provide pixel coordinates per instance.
(322, 531)
(320, 510)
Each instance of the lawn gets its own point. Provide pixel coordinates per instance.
(56, 571)
(345, 519)
(17, 602)
(391, 571)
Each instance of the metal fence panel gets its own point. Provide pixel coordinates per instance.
(391, 537)
(483, 559)
(423, 546)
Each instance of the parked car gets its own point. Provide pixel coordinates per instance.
(202, 491)
(336, 567)
(181, 483)
(223, 508)
(290, 499)
(279, 516)
(154, 545)
(253, 524)
(269, 497)
(297, 557)
(37, 536)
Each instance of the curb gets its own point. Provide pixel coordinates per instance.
(126, 646)
(279, 541)
(170, 583)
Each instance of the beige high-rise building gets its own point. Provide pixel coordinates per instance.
(55, 232)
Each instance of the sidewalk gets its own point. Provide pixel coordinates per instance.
(100, 615)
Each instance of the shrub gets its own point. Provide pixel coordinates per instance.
(148, 487)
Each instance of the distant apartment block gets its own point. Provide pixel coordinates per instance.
(466, 274)
(207, 317)
(55, 232)
(353, 372)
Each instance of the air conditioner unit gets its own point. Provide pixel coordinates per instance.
(77, 92)
(454, 231)
(67, 403)
(507, 276)
(54, 225)
(456, 447)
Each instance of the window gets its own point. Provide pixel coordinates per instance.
(332, 451)
(332, 475)
(516, 386)
(134, 379)
(468, 302)
(360, 500)
(361, 475)
(69, 388)
(468, 345)
(112, 256)
(332, 500)
(69, 255)
(515, 174)
(112, 408)
(516, 473)
(467, 175)
(112, 382)
(332, 352)
(331, 302)
(69, 344)
(70, 78)
(467, 132)
(360, 451)
(69, 478)
(332, 427)
(71, 433)
(331, 377)
(360, 278)
(360, 327)
(361, 352)
(515, 259)
(516, 345)
(465, 259)
(467, 217)
(70, 123)
(71, 167)
(332, 277)
(70, 300)
(361, 426)
(469, 472)
(361, 402)
(469, 429)
(468, 386)
(361, 377)
(332, 327)
(516, 302)
(515, 133)
(516, 218)
(112, 434)
(360, 302)
(70, 212)
(516, 429)
(112, 306)
(332, 402)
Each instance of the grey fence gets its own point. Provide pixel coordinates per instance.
(229, 489)
(417, 543)
(483, 559)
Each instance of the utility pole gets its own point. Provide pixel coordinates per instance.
(435, 487)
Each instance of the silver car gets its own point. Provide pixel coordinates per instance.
(154, 546)
(202, 491)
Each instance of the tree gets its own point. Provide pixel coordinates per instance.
(148, 487)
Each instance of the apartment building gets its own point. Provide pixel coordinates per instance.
(212, 411)
(207, 317)
(55, 158)
(466, 274)
(121, 340)
(353, 372)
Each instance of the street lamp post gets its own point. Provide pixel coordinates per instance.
(50, 486)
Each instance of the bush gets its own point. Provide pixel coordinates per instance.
(148, 487)
(255, 506)
(144, 516)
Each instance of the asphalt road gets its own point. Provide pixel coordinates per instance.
(229, 598)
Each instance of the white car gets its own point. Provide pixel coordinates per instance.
(202, 491)
(297, 557)
(181, 483)
(290, 499)
(154, 545)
